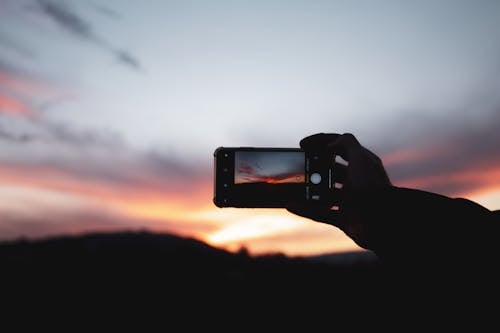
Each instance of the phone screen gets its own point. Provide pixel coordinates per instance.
(264, 167)
(262, 176)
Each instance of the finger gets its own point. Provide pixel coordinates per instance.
(339, 175)
(344, 146)
(318, 141)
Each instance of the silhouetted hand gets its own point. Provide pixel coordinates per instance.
(364, 177)
(401, 225)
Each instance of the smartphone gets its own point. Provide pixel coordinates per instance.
(270, 177)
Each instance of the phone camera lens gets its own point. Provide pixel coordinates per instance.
(315, 178)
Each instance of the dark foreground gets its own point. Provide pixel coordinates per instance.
(163, 261)
(169, 276)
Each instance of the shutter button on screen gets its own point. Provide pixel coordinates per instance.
(315, 178)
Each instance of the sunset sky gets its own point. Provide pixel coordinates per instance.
(110, 110)
(270, 167)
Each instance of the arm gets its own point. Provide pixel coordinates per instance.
(401, 223)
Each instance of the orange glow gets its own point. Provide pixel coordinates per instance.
(252, 224)
(489, 198)
(257, 230)
(144, 188)
(276, 231)
(153, 210)
(188, 209)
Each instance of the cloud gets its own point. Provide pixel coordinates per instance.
(66, 18)
(8, 135)
(452, 157)
(60, 132)
(68, 157)
(25, 94)
(16, 93)
(15, 106)
(106, 11)
(127, 59)
(92, 162)
(21, 82)
(18, 48)
(24, 97)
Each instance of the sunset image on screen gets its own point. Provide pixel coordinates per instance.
(269, 167)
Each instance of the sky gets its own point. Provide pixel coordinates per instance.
(271, 167)
(110, 111)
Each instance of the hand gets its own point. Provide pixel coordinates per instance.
(364, 174)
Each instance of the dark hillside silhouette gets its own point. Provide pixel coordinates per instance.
(141, 261)
(140, 272)
(147, 255)
(174, 277)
